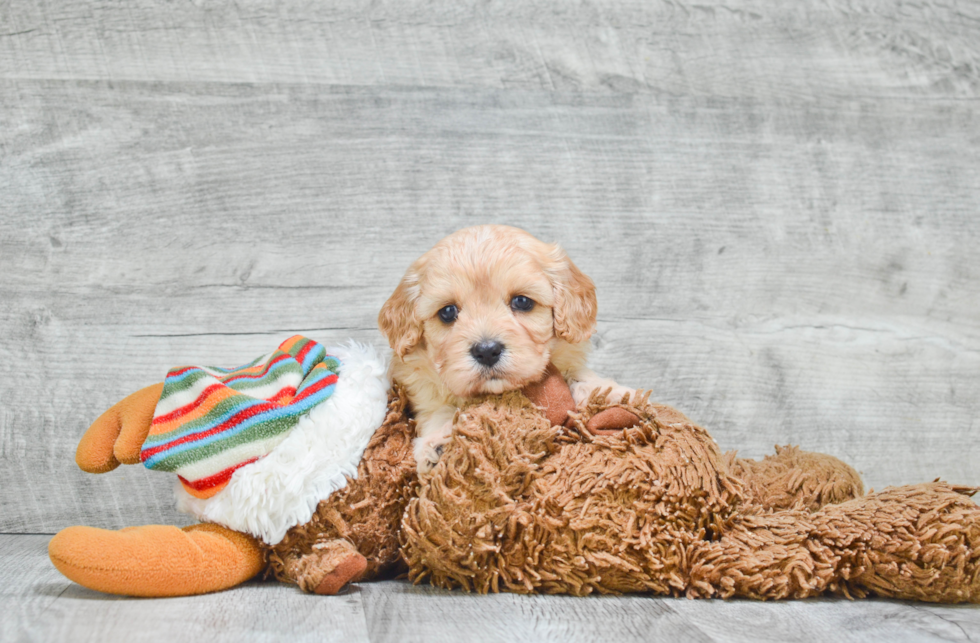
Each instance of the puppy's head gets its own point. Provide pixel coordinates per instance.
(485, 307)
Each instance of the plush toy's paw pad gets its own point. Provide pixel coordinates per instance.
(347, 571)
(325, 570)
(611, 421)
(117, 435)
(136, 415)
(94, 453)
(553, 395)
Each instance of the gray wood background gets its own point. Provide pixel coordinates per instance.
(778, 201)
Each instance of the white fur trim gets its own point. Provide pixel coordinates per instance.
(282, 489)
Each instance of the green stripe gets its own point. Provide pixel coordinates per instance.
(280, 371)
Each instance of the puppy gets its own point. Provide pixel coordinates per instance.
(484, 311)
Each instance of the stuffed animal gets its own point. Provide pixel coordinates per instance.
(518, 504)
(302, 440)
(532, 496)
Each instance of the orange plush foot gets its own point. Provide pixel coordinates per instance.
(156, 560)
(117, 435)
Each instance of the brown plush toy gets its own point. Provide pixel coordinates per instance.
(519, 504)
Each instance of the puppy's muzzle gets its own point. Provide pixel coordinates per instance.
(487, 352)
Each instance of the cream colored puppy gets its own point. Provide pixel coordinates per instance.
(484, 311)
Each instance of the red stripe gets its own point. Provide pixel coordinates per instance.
(187, 408)
(216, 479)
(180, 371)
(289, 391)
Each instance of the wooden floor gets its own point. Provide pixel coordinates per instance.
(38, 604)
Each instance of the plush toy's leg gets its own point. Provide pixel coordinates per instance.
(795, 479)
(916, 542)
(156, 560)
(765, 556)
(330, 566)
(919, 542)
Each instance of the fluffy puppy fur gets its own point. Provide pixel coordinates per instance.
(471, 292)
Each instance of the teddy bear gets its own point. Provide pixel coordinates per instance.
(523, 504)
(534, 495)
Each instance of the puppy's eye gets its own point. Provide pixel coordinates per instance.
(521, 303)
(448, 313)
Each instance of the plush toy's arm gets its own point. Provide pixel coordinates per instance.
(117, 436)
(555, 397)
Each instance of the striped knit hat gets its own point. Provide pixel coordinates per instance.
(211, 421)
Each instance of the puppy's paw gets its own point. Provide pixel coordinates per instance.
(429, 449)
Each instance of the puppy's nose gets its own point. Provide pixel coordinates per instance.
(487, 352)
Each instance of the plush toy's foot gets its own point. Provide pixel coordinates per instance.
(328, 568)
(156, 560)
(118, 434)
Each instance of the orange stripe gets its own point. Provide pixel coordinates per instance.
(287, 345)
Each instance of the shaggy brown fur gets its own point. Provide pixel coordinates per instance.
(795, 479)
(366, 513)
(518, 505)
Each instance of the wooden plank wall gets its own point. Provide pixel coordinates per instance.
(779, 203)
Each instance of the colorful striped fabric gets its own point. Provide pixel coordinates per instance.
(211, 421)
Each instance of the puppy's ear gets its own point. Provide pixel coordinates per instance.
(575, 304)
(397, 319)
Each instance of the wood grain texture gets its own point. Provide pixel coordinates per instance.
(777, 201)
(396, 611)
(745, 48)
(37, 604)
(748, 272)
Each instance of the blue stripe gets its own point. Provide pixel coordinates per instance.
(242, 402)
(314, 356)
